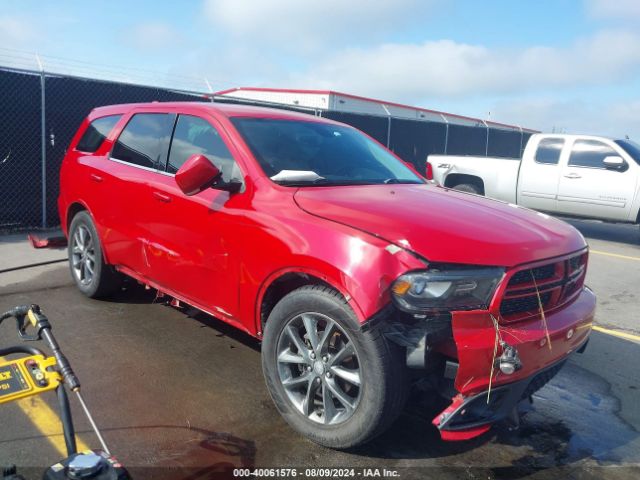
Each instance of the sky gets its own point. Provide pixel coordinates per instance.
(552, 65)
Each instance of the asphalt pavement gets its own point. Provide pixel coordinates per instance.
(174, 388)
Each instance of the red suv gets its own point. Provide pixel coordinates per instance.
(357, 276)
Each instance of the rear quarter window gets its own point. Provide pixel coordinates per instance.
(549, 150)
(96, 133)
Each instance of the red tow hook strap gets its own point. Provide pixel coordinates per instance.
(47, 242)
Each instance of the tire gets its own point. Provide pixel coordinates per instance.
(378, 366)
(91, 274)
(467, 187)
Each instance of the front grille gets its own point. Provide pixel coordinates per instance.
(524, 304)
(556, 282)
(539, 273)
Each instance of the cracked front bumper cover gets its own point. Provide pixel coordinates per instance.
(468, 417)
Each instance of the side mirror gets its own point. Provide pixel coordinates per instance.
(197, 174)
(614, 162)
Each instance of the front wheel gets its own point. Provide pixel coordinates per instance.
(333, 383)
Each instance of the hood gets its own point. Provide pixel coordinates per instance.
(443, 225)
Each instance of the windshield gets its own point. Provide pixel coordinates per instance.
(631, 147)
(301, 153)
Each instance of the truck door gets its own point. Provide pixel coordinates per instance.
(589, 189)
(540, 174)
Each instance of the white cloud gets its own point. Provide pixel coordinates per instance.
(412, 72)
(624, 9)
(15, 31)
(306, 25)
(153, 36)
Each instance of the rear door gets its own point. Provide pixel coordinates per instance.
(539, 175)
(137, 157)
(589, 189)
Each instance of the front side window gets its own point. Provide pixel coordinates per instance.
(96, 133)
(144, 140)
(302, 153)
(195, 135)
(549, 150)
(590, 153)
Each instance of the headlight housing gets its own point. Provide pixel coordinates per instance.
(446, 289)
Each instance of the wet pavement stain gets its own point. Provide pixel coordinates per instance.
(573, 425)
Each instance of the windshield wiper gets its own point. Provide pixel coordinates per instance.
(390, 181)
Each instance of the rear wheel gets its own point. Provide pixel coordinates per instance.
(335, 384)
(467, 187)
(92, 275)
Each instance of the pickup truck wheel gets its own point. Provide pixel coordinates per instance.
(333, 383)
(467, 187)
(92, 275)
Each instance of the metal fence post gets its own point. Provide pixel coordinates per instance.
(486, 146)
(521, 138)
(43, 142)
(388, 125)
(446, 133)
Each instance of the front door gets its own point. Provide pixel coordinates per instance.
(588, 189)
(192, 252)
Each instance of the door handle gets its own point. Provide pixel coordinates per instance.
(162, 197)
(96, 178)
(572, 176)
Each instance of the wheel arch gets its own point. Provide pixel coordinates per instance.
(454, 179)
(284, 281)
(75, 208)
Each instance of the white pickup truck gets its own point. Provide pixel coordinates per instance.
(574, 175)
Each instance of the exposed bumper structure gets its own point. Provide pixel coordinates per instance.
(472, 411)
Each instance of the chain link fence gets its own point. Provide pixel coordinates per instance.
(39, 114)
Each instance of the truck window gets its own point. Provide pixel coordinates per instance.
(589, 153)
(631, 147)
(143, 141)
(195, 135)
(96, 133)
(549, 150)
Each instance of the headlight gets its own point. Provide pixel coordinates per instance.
(445, 290)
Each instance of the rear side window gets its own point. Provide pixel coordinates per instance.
(144, 140)
(549, 150)
(589, 153)
(195, 135)
(96, 133)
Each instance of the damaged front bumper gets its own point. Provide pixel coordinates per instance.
(486, 394)
(482, 393)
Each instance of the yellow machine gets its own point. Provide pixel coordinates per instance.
(32, 373)
(27, 376)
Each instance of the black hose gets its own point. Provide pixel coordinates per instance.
(32, 265)
(67, 420)
(20, 349)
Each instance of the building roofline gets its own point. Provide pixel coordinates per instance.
(375, 100)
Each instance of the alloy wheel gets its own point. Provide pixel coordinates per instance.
(319, 368)
(83, 255)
